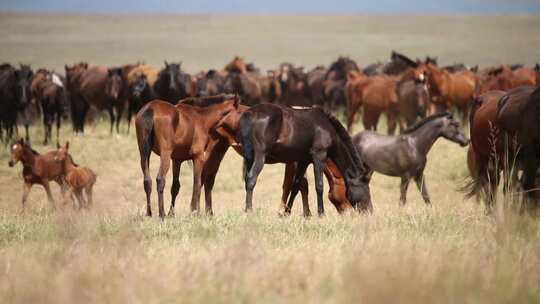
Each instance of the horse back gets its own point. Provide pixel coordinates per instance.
(511, 108)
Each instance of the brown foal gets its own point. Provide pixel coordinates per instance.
(37, 169)
(78, 179)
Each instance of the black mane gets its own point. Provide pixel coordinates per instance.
(421, 123)
(346, 140)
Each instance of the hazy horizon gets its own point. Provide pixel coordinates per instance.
(427, 7)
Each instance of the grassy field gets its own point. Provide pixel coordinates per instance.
(449, 253)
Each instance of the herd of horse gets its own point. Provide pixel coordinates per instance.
(284, 116)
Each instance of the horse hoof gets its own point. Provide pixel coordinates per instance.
(171, 214)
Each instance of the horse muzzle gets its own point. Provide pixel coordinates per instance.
(11, 163)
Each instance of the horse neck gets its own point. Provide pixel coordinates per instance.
(28, 158)
(68, 164)
(212, 114)
(343, 159)
(426, 136)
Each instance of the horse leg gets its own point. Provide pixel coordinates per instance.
(119, 112)
(198, 165)
(251, 178)
(147, 181)
(318, 167)
(49, 194)
(422, 187)
(300, 172)
(304, 192)
(287, 184)
(111, 114)
(351, 115)
(160, 179)
(26, 191)
(26, 132)
(58, 124)
(391, 117)
(175, 187)
(89, 197)
(404, 186)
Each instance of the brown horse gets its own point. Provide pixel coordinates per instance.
(78, 179)
(451, 90)
(505, 79)
(177, 133)
(237, 65)
(486, 149)
(37, 169)
(377, 94)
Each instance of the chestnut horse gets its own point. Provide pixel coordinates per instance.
(451, 90)
(378, 94)
(176, 133)
(38, 169)
(486, 153)
(284, 135)
(78, 179)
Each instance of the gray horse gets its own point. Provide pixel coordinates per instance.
(406, 155)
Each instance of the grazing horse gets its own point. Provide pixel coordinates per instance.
(15, 97)
(451, 89)
(228, 130)
(282, 134)
(486, 152)
(173, 84)
(517, 117)
(79, 107)
(37, 169)
(406, 155)
(78, 179)
(140, 81)
(48, 91)
(176, 133)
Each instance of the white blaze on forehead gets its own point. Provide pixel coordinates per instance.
(14, 147)
(56, 80)
(421, 77)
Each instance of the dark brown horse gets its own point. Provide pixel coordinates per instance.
(173, 84)
(140, 82)
(101, 88)
(293, 81)
(176, 133)
(518, 117)
(282, 134)
(48, 90)
(78, 106)
(15, 98)
(37, 169)
(228, 130)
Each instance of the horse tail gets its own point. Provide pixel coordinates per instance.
(144, 127)
(245, 142)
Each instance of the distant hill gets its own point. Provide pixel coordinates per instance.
(504, 7)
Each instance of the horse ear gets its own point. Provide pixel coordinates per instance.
(67, 145)
(57, 145)
(166, 64)
(66, 67)
(21, 141)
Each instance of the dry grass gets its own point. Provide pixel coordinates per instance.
(450, 253)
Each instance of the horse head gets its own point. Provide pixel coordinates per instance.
(171, 75)
(451, 130)
(115, 83)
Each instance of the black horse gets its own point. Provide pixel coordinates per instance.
(15, 96)
(172, 83)
(398, 64)
(271, 133)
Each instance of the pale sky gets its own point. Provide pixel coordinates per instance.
(476, 7)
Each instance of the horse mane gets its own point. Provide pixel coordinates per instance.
(207, 100)
(345, 139)
(28, 147)
(71, 160)
(408, 61)
(424, 121)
